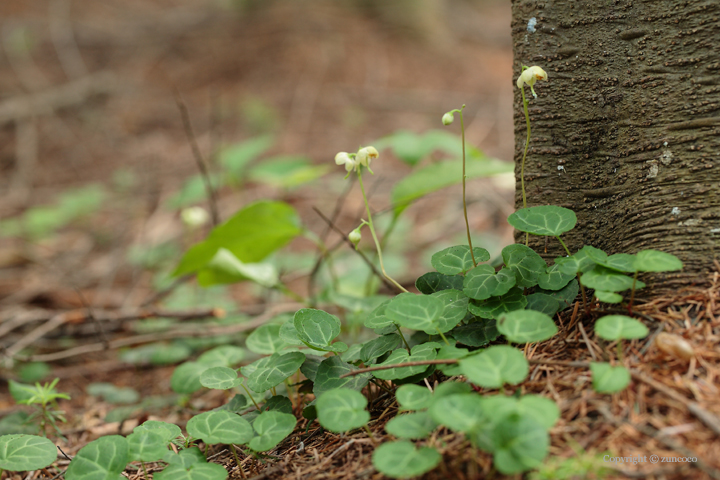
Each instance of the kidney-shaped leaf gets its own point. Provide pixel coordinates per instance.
(460, 412)
(220, 378)
(457, 259)
(606, 280)
(19, 453)
(146, 446)
(413, 425)
(328, 375)
(433, 282)
(656, 261)
(523, 326)
(272, 427)
(220, 426)
(341, 409)
(424, 351)
(482, 282)
(413, 397)
(495, 366)
(526, 264)
(272, 371)
(609, 379)
(168, 431)
(417, 312)
(196, 471)
(317, 328)
(521, 444)
(265, 340)
(402, 460)
(186, 377)
(104, 458)
(616, 327)
(548, 220)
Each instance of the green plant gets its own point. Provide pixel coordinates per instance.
(43, 399)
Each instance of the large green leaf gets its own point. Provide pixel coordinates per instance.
(402, 460)
(495, 366)
(442, 174)
(496, 306)
(617, 327)
(553, 278)
(378, 347)
(476, 334)
(222, 356)
(523, 326)
(606, 280)
(104, 458)
(457, 259)
(433, 282)
(656, 261)
(168, 431)
(265, 340)
(542, 302)
(521, 444)
(220, 378)
(482, 282)
(526, 264)
(547, 220)
(146, 446)
(225, 267)
(19, 453)
(251, 235)
(454, 311)
(186, 377)
(272, 427)
(341, 409)
(317, 329)
(220, 426)
(196, 471)
(271, 371)
(609, 379)
(328, 376)
(417, 312)
(413, 397)
(413, 425)
(424, 351)
(460, 412)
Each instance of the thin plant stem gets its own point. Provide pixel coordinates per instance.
(369, 432)
(620, 351)
(632, 292)
(237, 461)
(582, 288)
(250, 395)
(407, 345)
(372, 231)
(443, 337)
(289, 392)
(522, 165)
(563, 244)
(144, 469)
(383, 243)
(467, 222)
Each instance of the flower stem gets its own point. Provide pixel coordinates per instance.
(250, 395)
(443, 337)
(522, 165)
(467, 223)
(372, 231)
(407, 345)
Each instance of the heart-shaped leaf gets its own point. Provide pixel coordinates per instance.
(265, 340)
(608, 297)
(521, 444)
(272, 371)
(454, 311)
(522, 326)
(460, 412)
(457, 259)
(553, 278)
(606, 280)
(196, 471)
(19, 453)
(495, 366)
(581, 261)
(617, 327)
(328, 376)
(434, 282)
(289, 334)
(272, 428)
(341, 409)
(186, 377)
(146, 446)
(222, 356)
(168, 431)
(620, 262)
(413, 397)
(547, 220)
(317, 329)
(417, 312)
(402, 460)
(542, 302)
(378, 347)
(609, 379)
(413, 425)
(104, 458)
(476, 334)
(656, 261)
(496, 306)
(422, 352)
(220, 426)
(482, 282)
(526, 264)
(220, 378)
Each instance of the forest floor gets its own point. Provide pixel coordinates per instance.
(89, 96)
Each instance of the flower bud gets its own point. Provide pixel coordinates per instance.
(194, 217)
(448, 118)
(355, 236)
(342, 158)
(366, 155)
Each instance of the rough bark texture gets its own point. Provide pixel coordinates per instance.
(626, 132)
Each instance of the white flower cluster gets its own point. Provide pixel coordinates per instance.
(352, 160)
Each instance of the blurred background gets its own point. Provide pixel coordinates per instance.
(96, 163)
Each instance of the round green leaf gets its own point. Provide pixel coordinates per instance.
(196, 471)
(413, 425)
(433, 282)
(482, 282)
(457, 259)
(341, 409)
(582, 261)
(278, 403)
(425, 351)
(621, 262)
(476, 334)
(616, 327)
(222, 356)
(609, 379)
(523, 326)
(417, 312)
(316, 328)
(168, 431)
(461, 412)
(289, 334)
(220, 426)
(608, 281)
(548, 220)
(656, 261)
(608, 297)
(310, 366)
(454, 311)
(495, 366)
(220, 378)
(496, 306)
(146, 446)
(104, 458)
(272, 427)
(377, 319)
(186, 377)
(265, 340)
(352, 354)
(378, 347)
(526, 264)
(19, 453)
(543, 410)
(521, 444)
(328, 376)
(542, 302)
(451, 352)
(272, 371)
(553, 278)
(402, 460)
(413, 397)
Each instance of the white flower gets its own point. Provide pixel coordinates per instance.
(194, 217)
(355, 236)
(530, 76)
(343, 158)
(448, 118)
(366, 155)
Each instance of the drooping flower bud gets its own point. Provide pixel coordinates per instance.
(448, 118)
(531, 75)
(194, 217)
(355, 236)
(366, 155)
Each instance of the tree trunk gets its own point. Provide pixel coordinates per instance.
(626, 132)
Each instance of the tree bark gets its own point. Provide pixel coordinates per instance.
(626, 132)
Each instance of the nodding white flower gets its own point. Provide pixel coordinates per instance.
(343, 158)
(448, 118)
(194, 217)
(366, 155)
(355, 236)
(530, 76)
